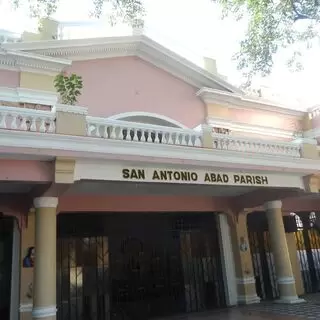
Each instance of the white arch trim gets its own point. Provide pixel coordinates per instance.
(121, 116)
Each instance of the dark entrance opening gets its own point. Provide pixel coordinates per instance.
(308, 249)
(261, 253)
(137, 266)
(6, 241)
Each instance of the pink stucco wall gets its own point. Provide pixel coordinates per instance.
(316, 122)
(26, 170)
(265, 118)
(9, 79)
(140, 203)
(113, 86)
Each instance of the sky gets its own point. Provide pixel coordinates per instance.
(193, 28)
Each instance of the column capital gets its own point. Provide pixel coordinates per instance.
(45, 202)
(277, 204)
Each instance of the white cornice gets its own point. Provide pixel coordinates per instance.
(70, 109)
(24, 95)
(31, 62)
(240, 101)
(96, 148)
(248, 128)
(312, 133)
(140, 46)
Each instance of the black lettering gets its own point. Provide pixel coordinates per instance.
(236, 178)
(257, 180)
(176, 175)
(185, 176)
(125, 173)
(249, 180)
(242, 179)
(155, 175)
(207, 177)
(163, 175)
(264, 180)
(194, 176)
(225, 178)
(170, 175)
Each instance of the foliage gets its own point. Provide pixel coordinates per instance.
(272, 26)
(127, 11)
(69, 88)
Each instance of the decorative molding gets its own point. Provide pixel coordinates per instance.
(64, 170)
(44, 312)
(45, 202)
(249, 128)
(24, 95)
(24, 61)
(121, 116)
(243, 102)
(305, 141)
(312, 133)
(97, 148)
(138, 45)
(70, 109)
(273, 205)
(246, 280)
(290, 300)
(25, 307)
(248, 299)
(286, 280)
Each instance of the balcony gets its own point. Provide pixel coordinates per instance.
(35, 111)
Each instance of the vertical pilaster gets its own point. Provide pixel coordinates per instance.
(245, 280)
(44, 291)
(227, 260)
(281, 257)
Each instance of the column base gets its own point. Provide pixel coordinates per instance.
(248, 299)
(290, 300)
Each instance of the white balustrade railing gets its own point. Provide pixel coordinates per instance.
(233, 143)
(314, 112)
(140, 132)
(22, 119)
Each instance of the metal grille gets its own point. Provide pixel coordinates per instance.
(138, 266)
(263, 265)
(308, 249)
(6, 238)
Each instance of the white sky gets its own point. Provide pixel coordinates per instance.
(193, 28)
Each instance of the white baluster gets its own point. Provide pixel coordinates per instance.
(13, 125)
(190, 140)
(23, 124)
(51, 128)
(170, 138)
(33, 126)
(156, 138)
(183, 139)
(105, 132)
(135, 134)
(3, 123)
(197, 141)
(113, 132)
(97, 130)
(42, 127)
(120, 135)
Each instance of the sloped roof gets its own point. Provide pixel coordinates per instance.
(20, 61)
(139, 45)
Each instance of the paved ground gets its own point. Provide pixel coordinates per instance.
(263, 311)
(308, 310)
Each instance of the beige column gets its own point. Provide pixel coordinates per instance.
(44, 287)
(281, 257)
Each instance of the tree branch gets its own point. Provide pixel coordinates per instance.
(298, 15)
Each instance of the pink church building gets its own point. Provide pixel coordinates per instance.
(165, 190)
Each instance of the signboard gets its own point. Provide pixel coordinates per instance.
(184, 176)
(119, 171)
